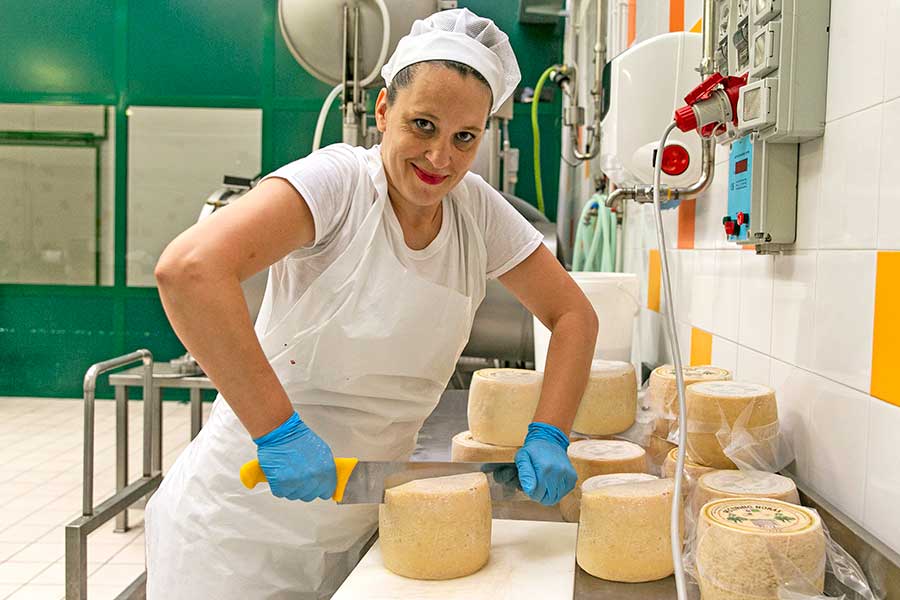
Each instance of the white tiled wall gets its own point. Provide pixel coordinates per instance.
(803, 321)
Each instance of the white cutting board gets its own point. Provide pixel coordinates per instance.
(529, 559)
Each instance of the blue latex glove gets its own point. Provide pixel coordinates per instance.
(544, 470)
(298, 463)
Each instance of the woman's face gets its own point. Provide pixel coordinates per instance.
(431, 133)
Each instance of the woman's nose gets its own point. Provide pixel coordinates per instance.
(439, 154)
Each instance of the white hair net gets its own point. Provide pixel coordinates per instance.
(461, 36)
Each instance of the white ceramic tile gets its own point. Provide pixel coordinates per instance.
(793, 308)
(703, 295)
(848, 197)
(855, 56)
(724, 354)
(881, 516)
(844, 316)
(682, 284)
(727, 299)
(892, 52)
(755, 325)
(652, 338)
(839, 423)
(39, 592)
(20, 572)
(794, 389)
(809, 178)
(117, 574)
(752, 366)
(889, 191)
(40, 553)
(8, 588)
(711, 206)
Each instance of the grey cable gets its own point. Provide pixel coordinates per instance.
(675, 530)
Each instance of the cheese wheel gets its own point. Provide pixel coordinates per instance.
(715, 406)
(438, 528)
(746, 548)
(465, 448)
(609, 402)
(662, 393)
(691, 470)
(502, 404)
(658, 450)
(743, 484)
(623, 534)
(599, 457)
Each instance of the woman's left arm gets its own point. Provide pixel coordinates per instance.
(544, 287)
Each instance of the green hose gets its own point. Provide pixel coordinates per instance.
(538, 186)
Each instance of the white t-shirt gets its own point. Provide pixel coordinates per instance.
(327, 180)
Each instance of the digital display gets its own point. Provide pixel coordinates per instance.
(740, 166)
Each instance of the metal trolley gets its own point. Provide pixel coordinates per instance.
(92, 517)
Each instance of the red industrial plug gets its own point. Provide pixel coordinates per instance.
(711, 105)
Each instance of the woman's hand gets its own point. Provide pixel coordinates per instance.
(298, 463)
(545, 472)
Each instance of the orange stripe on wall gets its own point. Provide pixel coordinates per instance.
(701, 347)
(885, 350)
(676, 15)
(698, 26)
(653, 281)
(687, 217)
(632, 21)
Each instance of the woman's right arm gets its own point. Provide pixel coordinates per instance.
(199, 278)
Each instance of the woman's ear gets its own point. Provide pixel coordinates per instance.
(381, 108)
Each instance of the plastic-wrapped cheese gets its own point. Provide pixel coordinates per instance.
(438, 528)
(599, 457)
(747, 548)
(609, 402)
(662, 393)
(502, 404)
(465, 448)
(715, 407)
(691, 470)
(623, 534)
(744, 484)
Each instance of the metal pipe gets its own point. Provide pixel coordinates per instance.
(90, 389)
(644, 194)
(592, 146)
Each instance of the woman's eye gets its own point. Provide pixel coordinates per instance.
(424, 124)
(465, 136)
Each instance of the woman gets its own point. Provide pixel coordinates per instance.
(379, 260)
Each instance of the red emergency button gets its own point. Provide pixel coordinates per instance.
(743, 218)
(675, 159)
(731, 227)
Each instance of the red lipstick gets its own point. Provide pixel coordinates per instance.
(428, 177)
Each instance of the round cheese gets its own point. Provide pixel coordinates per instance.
(662, 393)
(465, 448)
(609, 402)
(714, 407)
(599, 457)
(746, 548)
(691, 470)
(438, 528)
(743, 484)
(623, 534)
(502, 404)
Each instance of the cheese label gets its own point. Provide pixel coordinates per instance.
(704, 372)
(737, 482)
(610, 366)
(731, 389)
(510, 375)
(605, 450)
(758, 517)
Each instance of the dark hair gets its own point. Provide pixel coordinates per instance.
(406, 75)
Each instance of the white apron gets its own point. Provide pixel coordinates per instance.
(364, 355)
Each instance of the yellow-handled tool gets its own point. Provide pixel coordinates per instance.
(252, 474)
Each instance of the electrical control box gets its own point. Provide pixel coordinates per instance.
(782, 47)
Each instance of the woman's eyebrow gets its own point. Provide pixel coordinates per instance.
(437, 120)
